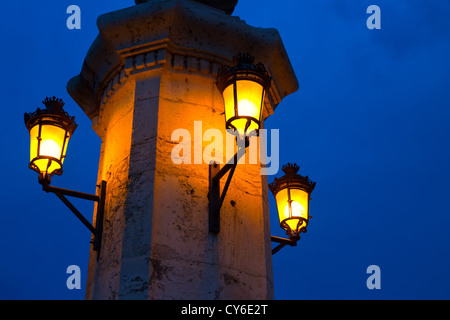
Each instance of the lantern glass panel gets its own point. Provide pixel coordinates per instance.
(298, 207)
(34, 138)
(249, 102)
(228, 99)
(249, 95)
(52, 140)
(300, 200)
(282, 200)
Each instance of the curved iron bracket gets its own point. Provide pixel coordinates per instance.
(100, 199)
(215, 197)
(282, 242)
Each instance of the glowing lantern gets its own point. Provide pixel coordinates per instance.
(292, 193)
(243, 88)
(50, 130)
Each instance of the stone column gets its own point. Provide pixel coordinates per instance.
(152, 70)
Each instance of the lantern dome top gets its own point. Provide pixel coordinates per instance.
(243, 64)
(226, 6)
(293, 179)
(53, 107)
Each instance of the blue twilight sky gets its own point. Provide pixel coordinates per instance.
(370, 124)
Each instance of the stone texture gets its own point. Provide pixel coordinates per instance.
(104, 274)
(145, 76)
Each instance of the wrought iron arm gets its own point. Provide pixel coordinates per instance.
(100, 199)
(282, 242)
(215, 197)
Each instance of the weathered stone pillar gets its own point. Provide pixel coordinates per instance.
(152, 70)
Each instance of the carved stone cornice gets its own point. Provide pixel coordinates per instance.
(183, 35)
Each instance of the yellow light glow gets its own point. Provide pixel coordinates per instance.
(249, 102)
(228, 99)
(47, 154)
(50, 148)
(249, 94)
(34, 138)
(294, 209)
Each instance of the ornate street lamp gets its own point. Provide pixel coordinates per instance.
(243, 88)
(50, 130)
(292, 194)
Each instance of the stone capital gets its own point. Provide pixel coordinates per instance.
(180, 34)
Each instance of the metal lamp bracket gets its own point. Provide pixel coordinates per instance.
(216, 198)
(100, 199)
(282, 243)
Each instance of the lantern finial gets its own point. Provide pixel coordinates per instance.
(53, 102)
(243, 59)
(290, 168)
